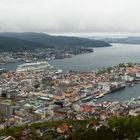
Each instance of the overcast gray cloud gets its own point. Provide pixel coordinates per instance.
(70, 16)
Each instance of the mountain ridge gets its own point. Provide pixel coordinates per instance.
(42, 40)
(10, 44)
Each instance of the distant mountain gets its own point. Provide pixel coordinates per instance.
(10, 44)
(56, 41)
(127, 40)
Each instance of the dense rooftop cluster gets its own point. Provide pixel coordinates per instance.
(29, 97)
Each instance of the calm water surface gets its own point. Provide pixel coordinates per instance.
(101, 57)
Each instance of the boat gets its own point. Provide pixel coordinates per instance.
(58, 71)
(99, 96)
(131, 84)
(2, 69)
(34, 66)
(87, 99)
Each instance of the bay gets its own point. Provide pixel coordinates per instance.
(101, 57)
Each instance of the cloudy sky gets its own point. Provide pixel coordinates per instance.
(71, 16)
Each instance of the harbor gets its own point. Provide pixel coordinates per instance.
(95, 60)
(39, 92)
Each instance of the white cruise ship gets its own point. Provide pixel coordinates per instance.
(35, 66)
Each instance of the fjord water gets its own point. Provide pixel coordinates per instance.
(104, 57)
(122, 95)
(101, 57)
